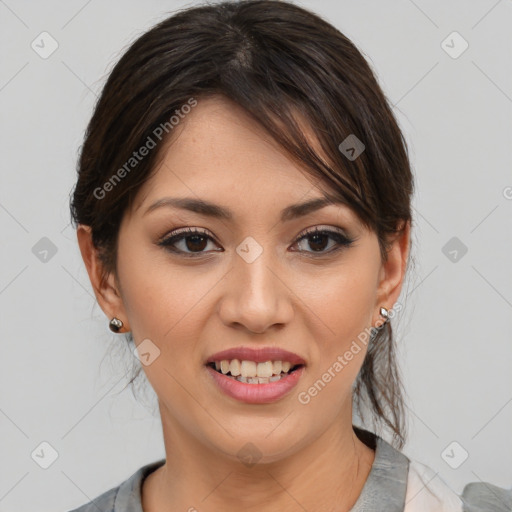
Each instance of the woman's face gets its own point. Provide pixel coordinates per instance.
(247, 282)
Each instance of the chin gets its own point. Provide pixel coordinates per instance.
(261, 445)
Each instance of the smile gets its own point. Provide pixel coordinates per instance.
(252, 372)
(249, 385)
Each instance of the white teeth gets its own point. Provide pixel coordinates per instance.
(248, 369)
(234, 368)
(258, 380)
(224, 367)
(264, 369)
(251, 371)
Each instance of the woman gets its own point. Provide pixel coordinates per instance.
(243, 208)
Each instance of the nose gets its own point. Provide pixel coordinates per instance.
(256, 296)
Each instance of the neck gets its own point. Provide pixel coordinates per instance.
(315, 476)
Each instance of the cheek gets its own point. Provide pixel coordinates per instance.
(167, 306)
(352, 312)
(345, 308)
(165, 302)
(346, 302)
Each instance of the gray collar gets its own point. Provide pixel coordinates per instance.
(384, 488)
(128, 497)
(386, 484)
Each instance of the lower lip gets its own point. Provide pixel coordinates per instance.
(256, 393)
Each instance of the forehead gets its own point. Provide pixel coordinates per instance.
(219, 154)
(217, 145)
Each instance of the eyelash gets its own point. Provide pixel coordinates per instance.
(341, 240)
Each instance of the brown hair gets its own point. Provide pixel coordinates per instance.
(280, 62)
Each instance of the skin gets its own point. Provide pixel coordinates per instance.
(311, 303)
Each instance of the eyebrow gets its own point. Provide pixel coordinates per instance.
(209, 209)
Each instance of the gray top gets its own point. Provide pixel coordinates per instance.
(384, 490)
(480, 496)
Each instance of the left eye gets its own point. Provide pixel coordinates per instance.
(317, 238)
(196, 241)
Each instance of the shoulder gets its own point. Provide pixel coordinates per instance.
(126, 497)
(428, 492)
(480, 496)
(103, 503)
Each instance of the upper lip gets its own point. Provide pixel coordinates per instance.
(259, 355)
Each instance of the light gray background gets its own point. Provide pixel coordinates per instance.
(455, 331)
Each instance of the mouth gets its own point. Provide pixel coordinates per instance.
(255, 375)
(252, 372)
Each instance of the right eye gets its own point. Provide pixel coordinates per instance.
(192, 240)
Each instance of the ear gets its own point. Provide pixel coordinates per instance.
(106, 290)
(393, 271)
